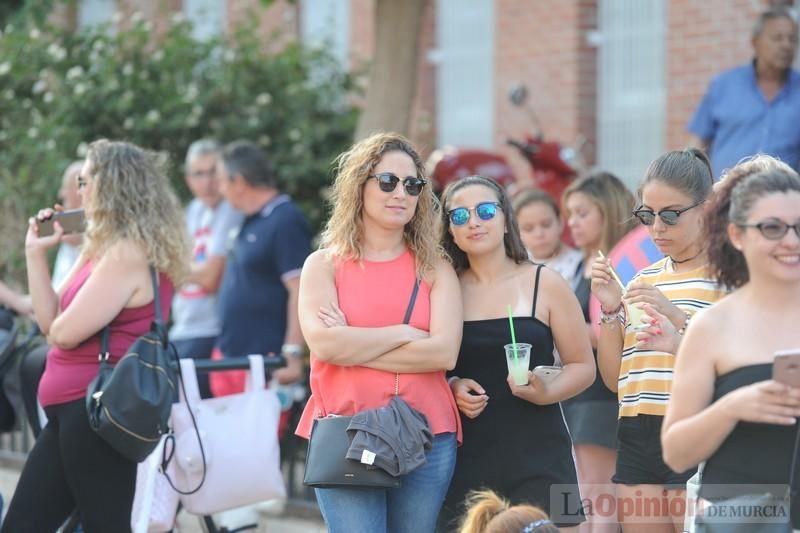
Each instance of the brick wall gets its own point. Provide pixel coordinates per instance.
(543, 45)
(704, 37)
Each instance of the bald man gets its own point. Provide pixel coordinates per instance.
(69, 250)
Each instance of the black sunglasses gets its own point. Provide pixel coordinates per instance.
(484, 211)
(668, 216)
(774, 230)
(388, 182)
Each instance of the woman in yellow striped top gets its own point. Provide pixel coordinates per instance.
(635, 351)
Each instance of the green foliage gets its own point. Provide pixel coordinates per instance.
(61, 90)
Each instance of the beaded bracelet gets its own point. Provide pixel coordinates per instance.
(685, 324)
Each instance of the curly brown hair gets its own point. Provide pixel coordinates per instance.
(733, 198)
(344, 230)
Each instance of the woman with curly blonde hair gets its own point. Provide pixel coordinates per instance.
(380, 241)
(133, 223)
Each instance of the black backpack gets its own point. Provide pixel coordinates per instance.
(129, 404)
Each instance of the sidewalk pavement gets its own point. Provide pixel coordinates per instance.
(293, 519)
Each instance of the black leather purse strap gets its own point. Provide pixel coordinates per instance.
(406, 319)
(105, 336)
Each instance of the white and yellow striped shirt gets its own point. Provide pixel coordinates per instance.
(645, 376)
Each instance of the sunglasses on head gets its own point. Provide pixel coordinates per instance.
(388, 182)
(670, 217)
(484, 210)
(773, 229)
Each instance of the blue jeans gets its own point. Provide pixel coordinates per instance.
(411, 508)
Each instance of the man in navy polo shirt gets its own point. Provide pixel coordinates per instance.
(755, 108)
(260, 285)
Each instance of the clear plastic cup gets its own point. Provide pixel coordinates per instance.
(518, 359)
(635, 315)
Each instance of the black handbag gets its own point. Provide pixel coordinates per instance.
(129, 404)
(326, 463)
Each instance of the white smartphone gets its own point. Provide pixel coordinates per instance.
(546, 373)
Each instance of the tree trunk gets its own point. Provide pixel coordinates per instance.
(393, 72)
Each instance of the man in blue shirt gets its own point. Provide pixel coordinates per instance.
(258, 296)
(755, 108)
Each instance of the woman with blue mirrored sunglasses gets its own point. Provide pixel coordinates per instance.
(484, 211)
(495, 272)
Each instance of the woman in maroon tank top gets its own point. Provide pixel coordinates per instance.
(381, 236)
(133, 220)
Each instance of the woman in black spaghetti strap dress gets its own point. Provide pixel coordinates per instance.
(515, 439)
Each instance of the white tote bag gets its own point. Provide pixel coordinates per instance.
(155, 503)
(240, 442)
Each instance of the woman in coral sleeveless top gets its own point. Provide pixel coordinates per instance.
(354, 291)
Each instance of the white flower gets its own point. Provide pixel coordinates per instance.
(295, 135)
(26, 103)
(263, 99)
(148, 26)
(229, 56)
(253, 122)
(136, 17)
(39, 87)
(79, 89)
(33, 133)
(158, 55)
(264, 140)
(191, 93)
(153, 115)
(35, 33)
(177, 18)
(94, 58)
(98, 45)
(127, 70)
(116, 18)
(48, 97)
(9, 28)
(3, 135)
(128, 124)
(75, 72)
(50, 144)
(5, 68)
(56, 52)
(82, 150)
(8, 94)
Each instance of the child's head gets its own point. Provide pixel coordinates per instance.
(539, 222)
(489, 513)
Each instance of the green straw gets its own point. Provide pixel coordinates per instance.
(513, 336)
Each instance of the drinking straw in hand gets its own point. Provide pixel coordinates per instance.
(513, 336)
(621, 285)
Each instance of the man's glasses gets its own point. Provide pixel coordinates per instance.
(388, 182)
(484, 211)
(773, 229)
(670, 217)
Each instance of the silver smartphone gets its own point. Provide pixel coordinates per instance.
(72, 220)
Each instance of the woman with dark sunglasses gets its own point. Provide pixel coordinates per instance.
(636, 358)
(727, 409)
(381, 239)
(515, 439)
